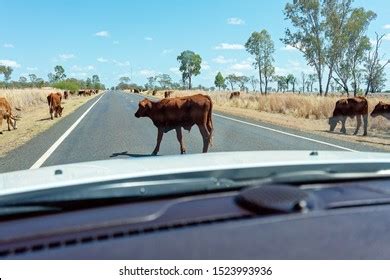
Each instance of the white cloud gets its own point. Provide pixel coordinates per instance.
(387, 37)
(121, 64)
(148, 38)
(78, 74)
(175, 70)
(82, 68)
(10, 63)
(235, 21)
(204, 65)
(115, 42)
(102, 33)
(167, 51)
(386, 26)
(244, 65)
(288, 48)
(66, 56)
(7, 45)
(32, 68)
(222, 60)
(227, 46)
(102, 60)
(147, 72)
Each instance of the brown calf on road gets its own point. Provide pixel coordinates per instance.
(234, 94)
(381, 109)
(177, 113)
(54, 102)
(350, 107)
(6, 114)
(168, 93)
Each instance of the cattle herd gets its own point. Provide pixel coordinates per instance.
(53, 100)
(175, 113)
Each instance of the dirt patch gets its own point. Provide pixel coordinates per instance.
(34, 120)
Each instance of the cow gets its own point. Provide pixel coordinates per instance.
(381, 109)
(88, 92)
(154, 92)
(168, 93)
(72, 92)
(54, 102)
(177, 113)
(136, 90)
(6, 114)
(81, 92)
(350, 107)
(234, 94)
(66, 94)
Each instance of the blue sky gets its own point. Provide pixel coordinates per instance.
(143, 38)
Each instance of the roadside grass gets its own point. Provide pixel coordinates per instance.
(35, 117)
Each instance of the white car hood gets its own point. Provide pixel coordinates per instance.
(114, 169)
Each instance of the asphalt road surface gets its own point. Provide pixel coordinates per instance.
(105, 128)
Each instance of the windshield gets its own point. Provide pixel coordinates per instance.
(84, 81)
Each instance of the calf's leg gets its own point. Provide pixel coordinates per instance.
(179, 136)
(206, 137)
(365, 124)
(51, 113)
(358, 124)
(343, 119)
(160, 133)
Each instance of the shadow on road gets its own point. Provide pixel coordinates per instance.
(129, 155)
(44, 119)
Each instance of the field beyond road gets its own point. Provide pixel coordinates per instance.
(35, 117)
(307, 113)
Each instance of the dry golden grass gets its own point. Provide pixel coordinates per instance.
(35, 117)
(304, 112)
(22, 98)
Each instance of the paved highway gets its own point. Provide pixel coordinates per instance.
(105, 128)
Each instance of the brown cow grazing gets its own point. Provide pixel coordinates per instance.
(81, 92)
(168, 93)
(66, 94)
(54, 101)
(234, 94)
(6, 114)
(350, 107)
(381, 109)
(154, 92)
(136, 90)
(177, 113)
(72, 92)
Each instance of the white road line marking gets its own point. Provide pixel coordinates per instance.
(47, 154)
(286, 133)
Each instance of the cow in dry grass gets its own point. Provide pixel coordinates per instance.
(350, 107)
(168, 93)
(154, 92)
(234, 94)
(381, 109)
(177, 113)
(6, 114)
(54, 102)
(66, 94)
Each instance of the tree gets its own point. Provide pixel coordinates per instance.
(59, 73)
(290, 79)
(308, 33)
(164, 80)
(254, 82)
(124, 80)
(311, 80)
(356, 44)
(96, 82)
(262, 47)
(22, 81)
(374, 70)
(232, 79)
(151, 82)
(303, 76)
(88, 83)
(219, 80)
(190, 65)
(242, 80)
(33, 79)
